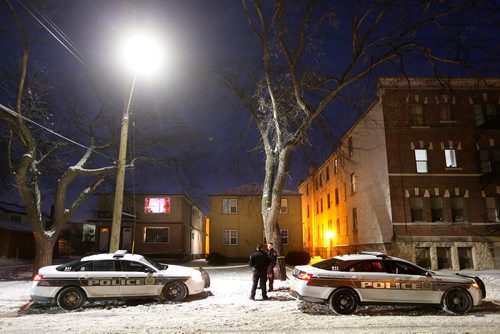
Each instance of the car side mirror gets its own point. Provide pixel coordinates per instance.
(428, 274)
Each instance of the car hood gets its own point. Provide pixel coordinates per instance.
(452, 277)
(174, 270)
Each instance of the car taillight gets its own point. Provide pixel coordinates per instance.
(304, 276)
(37, 278)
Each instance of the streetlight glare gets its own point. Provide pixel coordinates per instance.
(142, 53)
(329, 235)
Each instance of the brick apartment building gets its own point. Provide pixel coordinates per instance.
(418, 176)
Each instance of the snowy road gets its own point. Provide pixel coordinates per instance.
(227, 309)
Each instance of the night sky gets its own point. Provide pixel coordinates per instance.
(184, 114)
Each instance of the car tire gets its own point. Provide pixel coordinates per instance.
(71, 298)
(343, 301)
(174, 292)
(457, 301)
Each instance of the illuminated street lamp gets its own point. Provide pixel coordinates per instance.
(329, 235)
(142, 54)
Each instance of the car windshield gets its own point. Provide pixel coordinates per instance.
(155, 264)
(331, 264)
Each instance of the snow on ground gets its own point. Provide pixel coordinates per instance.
(227, 309)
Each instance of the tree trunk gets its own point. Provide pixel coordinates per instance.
(43, 251)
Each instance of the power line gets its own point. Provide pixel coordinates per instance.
(16, 114)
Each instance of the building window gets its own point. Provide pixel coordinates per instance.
(321, 204)
(15, 218)
(335, 166)
(353, 183)
(317, 207)
(337, 196)
(492, 209)
(416, 209)
(157, 205)
(308, 212)
(229, 206)
(485, 114)
(417, 114)
(457, 209)
(421, 160)
(230, 237)
(451, 157)
(307, 189)
(156, 234)
(437, 209)
(316, 183)
(446, 112)
(338, 227)
(465, 258)
(351, 149)
(423, 256)
(284, 236)
(327, 173)
(329, 205)
(284, 206)
(320, 180)
(354, 219)
(490, 161)
(443, 257)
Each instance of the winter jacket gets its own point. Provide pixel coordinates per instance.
(259, 260)
(273, 256)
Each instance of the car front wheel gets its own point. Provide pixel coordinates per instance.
(343, 301)
(71, 298)
(457, 301)
(174, 292)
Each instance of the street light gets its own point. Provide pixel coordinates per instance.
(329, 235)
(142, 54)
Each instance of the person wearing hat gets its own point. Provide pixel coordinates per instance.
(259, 261)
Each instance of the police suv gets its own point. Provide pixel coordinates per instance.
(346, 281)
(117, 275)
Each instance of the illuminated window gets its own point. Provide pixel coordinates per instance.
(335, 166)
(230, 237)
(351, 148)
(229, 206)
(451, 157)
(157, 205)
(421, 160)
(156, 234)
(284, 206)
(353, 183)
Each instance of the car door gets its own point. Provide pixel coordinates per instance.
(100, 278)
(411, 284)
(139, 279)
(370, 280)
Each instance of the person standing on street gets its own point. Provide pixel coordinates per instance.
(259, 263)
(273, 258)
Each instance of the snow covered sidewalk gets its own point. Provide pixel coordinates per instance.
(226, 308)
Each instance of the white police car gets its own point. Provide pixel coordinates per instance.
(117, 275)
(346, 281)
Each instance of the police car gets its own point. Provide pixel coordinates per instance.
(346, 281)
(116, 275)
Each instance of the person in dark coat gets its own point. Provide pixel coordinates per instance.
(259, 262)
(273, 258)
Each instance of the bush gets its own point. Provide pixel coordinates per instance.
(216, 259)
(295, 258)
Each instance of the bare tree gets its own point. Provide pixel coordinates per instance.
(29, 156)
(313, 52)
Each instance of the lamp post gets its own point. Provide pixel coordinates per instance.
(142, 54)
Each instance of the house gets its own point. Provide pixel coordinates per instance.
(16, 235)
(417, 176)
(163, 226)
(236, 224)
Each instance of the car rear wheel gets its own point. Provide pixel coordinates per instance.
(71, 298)
(457, 301)
(174, 292)
(343, 301)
